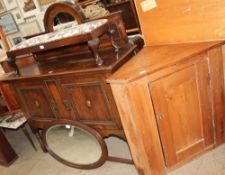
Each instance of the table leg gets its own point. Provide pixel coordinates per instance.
(7, 153)
(28, 137)
(94, 45)
(40, 140)
(111, 33)
(12, 62)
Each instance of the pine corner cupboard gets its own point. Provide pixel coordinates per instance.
(171, 103)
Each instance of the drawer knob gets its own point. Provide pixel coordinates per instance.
(88, 103)
(67, 105)
(37, 104)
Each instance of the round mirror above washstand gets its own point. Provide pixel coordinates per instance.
(75, 144)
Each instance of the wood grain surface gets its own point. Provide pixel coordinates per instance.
(179, 21)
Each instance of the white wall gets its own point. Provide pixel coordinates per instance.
(30, 25)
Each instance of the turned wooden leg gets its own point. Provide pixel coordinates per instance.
(12, 62)
(111, 33)
(39, 138)
(26, 133)
(94, 45)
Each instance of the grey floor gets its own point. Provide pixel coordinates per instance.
(39, 163)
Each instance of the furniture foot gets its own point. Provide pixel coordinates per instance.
(28, 137)
(39, 138)
(94, 45)
(12, 62)
(111, 33)
(121, 160)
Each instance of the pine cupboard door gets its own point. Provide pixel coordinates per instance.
(183, 112)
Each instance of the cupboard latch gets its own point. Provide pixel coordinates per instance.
(160, 117)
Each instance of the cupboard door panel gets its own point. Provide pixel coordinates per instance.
(35, 101)
(179, 102)
(89, 102)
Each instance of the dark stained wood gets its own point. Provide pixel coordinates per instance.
(86, 96)
(94, 46)
(81, 64)
(62, 7)
(72, 89)
(34, 98)
(121, 160)
(22, 62)
(129, 15)
(115, 23)
(77, 39)
(9, 97)
(90, 131)
(7, 93)
(7, 154)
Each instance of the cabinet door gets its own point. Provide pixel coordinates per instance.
(182, 106)
(35, 101)
(90, 104)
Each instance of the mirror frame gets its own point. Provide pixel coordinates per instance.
(91, 131)
(65, 7)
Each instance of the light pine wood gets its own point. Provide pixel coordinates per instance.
(181, 21)
(136, 112)
(217, 85)
(155, 58)
(179, 98)
(185, 83)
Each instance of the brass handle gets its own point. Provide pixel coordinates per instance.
(67, 105)
(53, 104)
(160, 117)
(88, 103)
(37, 104)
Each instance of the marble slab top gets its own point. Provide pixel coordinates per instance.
(81, 29)
(12, 125)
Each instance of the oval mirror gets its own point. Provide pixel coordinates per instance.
(75, 144)
(63, 20)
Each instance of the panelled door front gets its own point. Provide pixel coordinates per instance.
(36, 101)
(183, 110)
(90, 104)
